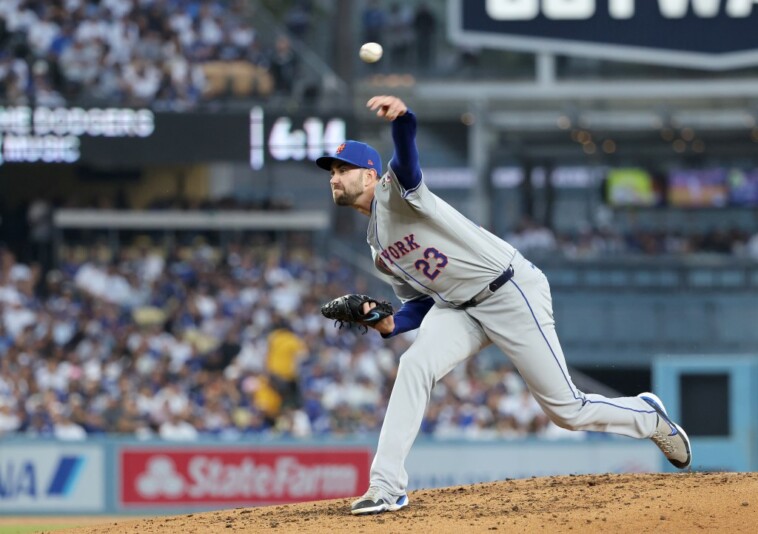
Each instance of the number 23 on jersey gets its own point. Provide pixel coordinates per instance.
(433, 263)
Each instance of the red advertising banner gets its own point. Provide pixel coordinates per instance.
(162, 476)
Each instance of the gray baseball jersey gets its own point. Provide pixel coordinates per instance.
(448, 257)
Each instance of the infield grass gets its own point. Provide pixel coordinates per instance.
(41, 527)
(28, 524)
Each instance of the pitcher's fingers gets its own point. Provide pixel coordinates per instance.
(377, 101)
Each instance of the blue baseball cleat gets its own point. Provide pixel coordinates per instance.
(376, 501)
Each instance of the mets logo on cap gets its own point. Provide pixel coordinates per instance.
(340, 149)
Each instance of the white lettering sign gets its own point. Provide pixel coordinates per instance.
(512, 10)
(740, 8)
(212, 478)
(568, 9)
(40, 148)
(676, 9)
(621, 9)
(51, 135)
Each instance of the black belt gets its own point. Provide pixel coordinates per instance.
(493, 286)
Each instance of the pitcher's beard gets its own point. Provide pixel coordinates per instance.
(345, 199)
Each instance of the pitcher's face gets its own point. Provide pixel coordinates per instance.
(347, 183)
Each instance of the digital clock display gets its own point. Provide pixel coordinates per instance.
(287, 140)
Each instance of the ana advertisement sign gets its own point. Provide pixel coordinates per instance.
(704, 34)
(168, 477)
(51, 478)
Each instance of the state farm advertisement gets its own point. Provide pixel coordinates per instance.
(160, 476)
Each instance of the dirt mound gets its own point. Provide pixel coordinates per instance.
(686, 502)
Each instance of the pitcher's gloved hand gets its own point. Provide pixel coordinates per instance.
(347, 310)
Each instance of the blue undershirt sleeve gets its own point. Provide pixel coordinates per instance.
(410, 315)
(404, 161)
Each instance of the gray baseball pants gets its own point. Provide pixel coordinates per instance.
(518, 319)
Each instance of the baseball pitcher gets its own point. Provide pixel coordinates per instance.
(463, 288)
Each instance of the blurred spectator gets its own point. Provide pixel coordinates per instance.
(39, 217)
(298, 19)
(425, 26)
(129, 420)
(79, 63)
(293, 423)
(142, 81)
(374, 21)
(9, 420)
(283, 66)
(65, 429)
(399, 35)
(14, 78)
(285, 352)
(177, 428)
(529, 237)
(44, 93)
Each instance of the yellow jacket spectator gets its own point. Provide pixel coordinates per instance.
(285, 350)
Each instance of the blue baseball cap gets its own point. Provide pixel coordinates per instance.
(354, 153)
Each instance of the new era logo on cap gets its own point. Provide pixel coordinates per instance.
(354, 153)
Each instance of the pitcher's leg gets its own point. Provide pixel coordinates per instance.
(569, 408)
(519, 320)
(446, 338)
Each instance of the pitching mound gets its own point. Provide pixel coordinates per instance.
(687, 502)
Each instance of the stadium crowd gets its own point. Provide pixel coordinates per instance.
(200, 344)
(230, 342)
(167, 54)
(608, 241)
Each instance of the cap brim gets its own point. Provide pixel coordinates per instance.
(325, 162)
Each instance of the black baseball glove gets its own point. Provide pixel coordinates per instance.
(347, 310)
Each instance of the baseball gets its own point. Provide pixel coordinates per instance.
(371, 52)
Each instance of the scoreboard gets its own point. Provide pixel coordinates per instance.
(124, 137)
